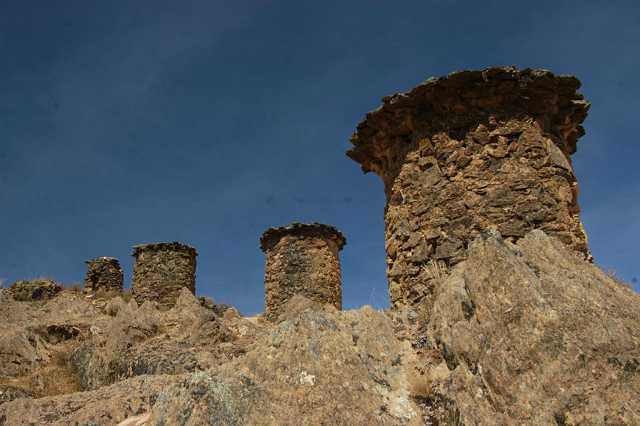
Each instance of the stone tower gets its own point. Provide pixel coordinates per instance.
(161, 270)
(103, 273)
(301, 259)
(471, 152)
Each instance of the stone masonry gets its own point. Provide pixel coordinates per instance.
(302, 259)
(470, 152)
(161, 270)
(103, 273)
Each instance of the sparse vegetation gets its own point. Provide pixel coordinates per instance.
(420, 386)
(73, 287)
(127, 295)
(617, 279)
(436, 270)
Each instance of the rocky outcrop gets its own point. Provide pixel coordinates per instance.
(161, 270)
(470, 152)
(106, 406)
(527, 333)
(531, 334)
(9, 393)
(39, 289)
(103, 274)
(302, 259)
(321, 367)
(145, 340)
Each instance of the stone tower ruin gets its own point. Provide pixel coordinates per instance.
(471, 152)
(104, 274)
(301, 259)
(161, 270)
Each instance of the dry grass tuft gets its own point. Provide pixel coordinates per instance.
(436, 270)
(420, 386)
(73, 287)
(617, 279)
(127, 295)
(55, 378)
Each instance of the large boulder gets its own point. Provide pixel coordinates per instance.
(532, 334)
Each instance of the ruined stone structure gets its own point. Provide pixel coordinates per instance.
(301, 259)
(471, 152)
(103, 273)
(161, 270)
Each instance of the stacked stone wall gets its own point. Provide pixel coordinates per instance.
(104, 274)
(472, 152)
(302, 259)
(161, 270)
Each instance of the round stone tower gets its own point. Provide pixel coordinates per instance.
(471, 152)
(301, 259)
(161, 270)
(104, 274)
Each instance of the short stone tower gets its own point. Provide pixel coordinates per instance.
(103, 273)
(301, 259)
(161, 270)
(471, 152)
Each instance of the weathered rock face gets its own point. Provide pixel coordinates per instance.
(473, 151)
(35, 342)
(519, 334)
(145, 340)
(40, 289)
(319, 367)
(161, 270)
(9, 393)
(302, 259)
(106, 406)
(103, 274)
(531, 334)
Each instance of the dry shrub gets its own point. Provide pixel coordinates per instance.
(617, 279)
(73, 287)
(58, 377)
(436, 270)
(127, 295)
(55, 378)
(420, 386)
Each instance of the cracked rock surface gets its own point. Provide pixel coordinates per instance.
(527, 333)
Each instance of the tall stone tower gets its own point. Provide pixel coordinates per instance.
(471, 152)
(103, 273)
(161, 270)
(301, 259)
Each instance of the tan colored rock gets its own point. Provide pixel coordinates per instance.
(161, 270)
(103, 274)
(318, 367)
(145, 340)
(531, 334)
(106, 406)
(302, 259)
(470, 152)
(520, 334)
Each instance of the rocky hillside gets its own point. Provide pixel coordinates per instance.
(518, 334)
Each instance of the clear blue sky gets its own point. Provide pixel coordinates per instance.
(125, 122)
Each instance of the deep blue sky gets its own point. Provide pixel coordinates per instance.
(125, 122)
